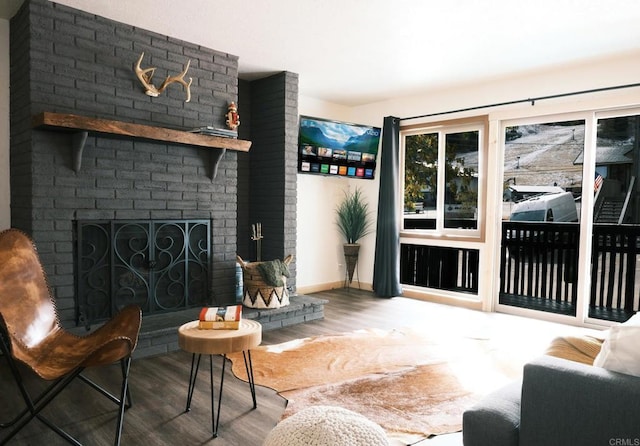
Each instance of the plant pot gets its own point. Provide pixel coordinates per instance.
(351, 251)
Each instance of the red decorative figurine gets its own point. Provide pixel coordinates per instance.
(233, 118)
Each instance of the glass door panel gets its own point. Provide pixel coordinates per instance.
(542, 191)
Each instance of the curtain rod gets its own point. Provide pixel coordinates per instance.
(520, 101)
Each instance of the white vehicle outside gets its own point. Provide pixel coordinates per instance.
(547, 208)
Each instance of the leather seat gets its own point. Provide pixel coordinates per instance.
(32, 335)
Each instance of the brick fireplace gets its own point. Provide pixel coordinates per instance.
(68, 61)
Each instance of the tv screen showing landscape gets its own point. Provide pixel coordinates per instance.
(337, 148)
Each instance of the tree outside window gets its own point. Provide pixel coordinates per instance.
(457, 152)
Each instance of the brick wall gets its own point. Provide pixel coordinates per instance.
(64, 60)
(245, 245)
(273, 164)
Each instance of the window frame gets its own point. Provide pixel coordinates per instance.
(443, 128)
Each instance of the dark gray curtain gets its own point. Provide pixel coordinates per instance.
(386, 267)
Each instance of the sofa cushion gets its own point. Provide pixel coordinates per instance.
(619, 352)
(583, 349)
(495, 420)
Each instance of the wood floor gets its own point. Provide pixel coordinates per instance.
(159, 384)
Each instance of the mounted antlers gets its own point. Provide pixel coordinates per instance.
(145, 77)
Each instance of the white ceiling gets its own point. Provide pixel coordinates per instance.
(355, 52)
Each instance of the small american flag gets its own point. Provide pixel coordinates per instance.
(598, 182)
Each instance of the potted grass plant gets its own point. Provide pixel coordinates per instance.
(353, 220)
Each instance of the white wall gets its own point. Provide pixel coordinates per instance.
(5, 210)
(320, 260)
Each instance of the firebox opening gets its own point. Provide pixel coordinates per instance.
(160, 265)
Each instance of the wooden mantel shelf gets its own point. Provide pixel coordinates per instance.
(83, 125)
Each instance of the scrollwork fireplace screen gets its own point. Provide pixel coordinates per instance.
(161, 265)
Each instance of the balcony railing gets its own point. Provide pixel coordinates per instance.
(539, 268)
(453, 269)
(615, 286)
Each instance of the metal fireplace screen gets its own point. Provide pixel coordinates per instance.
(163, 266)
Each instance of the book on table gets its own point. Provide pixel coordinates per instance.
(220, 318)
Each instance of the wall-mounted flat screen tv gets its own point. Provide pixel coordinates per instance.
(337, 148)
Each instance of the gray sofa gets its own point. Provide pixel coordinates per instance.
(558, 402)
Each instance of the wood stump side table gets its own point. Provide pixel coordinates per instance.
(219, 342)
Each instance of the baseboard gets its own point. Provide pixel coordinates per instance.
(471, 304)
(331, 286)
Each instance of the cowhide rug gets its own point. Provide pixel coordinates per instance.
(412, 384)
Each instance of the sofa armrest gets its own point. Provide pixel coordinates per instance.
(565, 402)
(495, 420)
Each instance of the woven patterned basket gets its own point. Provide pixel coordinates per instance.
(259, 294)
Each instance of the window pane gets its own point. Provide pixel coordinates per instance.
(543, 160)
(616, 171)
(616, 229)
(542, 194)
(461, 180)
(420, 181)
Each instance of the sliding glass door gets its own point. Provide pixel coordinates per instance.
(615, 279)
(542, 191)
(559, 174)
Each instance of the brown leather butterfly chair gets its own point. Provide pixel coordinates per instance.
(31, 334)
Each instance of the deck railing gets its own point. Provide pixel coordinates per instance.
(539, 268)
(615, 283)
(453, 269)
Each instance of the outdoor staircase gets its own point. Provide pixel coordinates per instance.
(610, 210)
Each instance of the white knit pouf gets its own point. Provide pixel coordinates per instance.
(324, 426)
